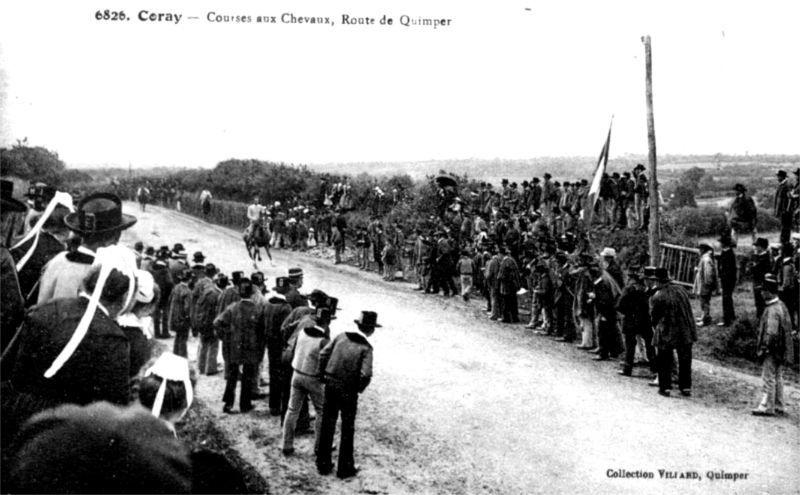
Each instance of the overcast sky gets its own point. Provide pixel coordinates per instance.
(499, 82)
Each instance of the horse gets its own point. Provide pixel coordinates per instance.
(256, 237)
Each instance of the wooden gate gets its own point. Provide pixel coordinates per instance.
(680, 262)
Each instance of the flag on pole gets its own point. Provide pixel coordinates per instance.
(594, 189)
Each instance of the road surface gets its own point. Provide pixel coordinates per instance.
(460, 404)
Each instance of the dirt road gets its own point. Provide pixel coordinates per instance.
(460, 404)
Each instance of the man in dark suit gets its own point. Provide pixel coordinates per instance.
(727, 278)
(783, 206)
(674, 330)
(509, 282)
(762, 265)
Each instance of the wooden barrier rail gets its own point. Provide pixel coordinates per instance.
(680, 262)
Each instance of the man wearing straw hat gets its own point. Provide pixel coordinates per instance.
(99, 221)
(345, 366)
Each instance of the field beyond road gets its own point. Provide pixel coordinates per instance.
(460, 404)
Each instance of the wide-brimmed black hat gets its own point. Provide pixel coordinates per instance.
(99, 213)
(333, 304)
(781, 173)
(8, 202)
(660, 274)
(740, 188)
(318, 297)
(198, 257)
(762, 242)
(368, 319)
(649, 272)
(295, 272)
(282, 284)
(322, 314)
(245, 288)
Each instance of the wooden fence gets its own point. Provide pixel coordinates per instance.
(680, 262)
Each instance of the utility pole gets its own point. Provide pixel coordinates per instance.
(655, 217)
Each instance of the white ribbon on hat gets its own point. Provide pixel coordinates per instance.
(108, 258)
(170, 366)
(59, 198)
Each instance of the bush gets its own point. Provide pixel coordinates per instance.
(740, 339)
(766, 222)
(697, 222)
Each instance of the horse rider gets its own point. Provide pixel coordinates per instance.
(254, 214)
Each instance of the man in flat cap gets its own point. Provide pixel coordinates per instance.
(775, 349)
(705, 282)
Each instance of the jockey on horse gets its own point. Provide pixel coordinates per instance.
(257, 234)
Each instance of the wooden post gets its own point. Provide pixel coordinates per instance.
(655, 220)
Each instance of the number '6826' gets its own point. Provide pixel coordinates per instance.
(110, 15)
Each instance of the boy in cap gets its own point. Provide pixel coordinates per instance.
(705, 282)
(293, 296)
(345, 365)
(241, 328)
(775, 348)
(465, 267)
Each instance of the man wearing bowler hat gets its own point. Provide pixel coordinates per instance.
(783, 206)
(99, 221)
(674, 330)
(345, 366)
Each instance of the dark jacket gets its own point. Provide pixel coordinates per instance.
(671, 314)
(241, 328)
(726, 267)
(347, 361)
(180, 309)
(634, 306)
(46, 249)
(163, 279)
(508, 276)
(98, 370)
(762, 265)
